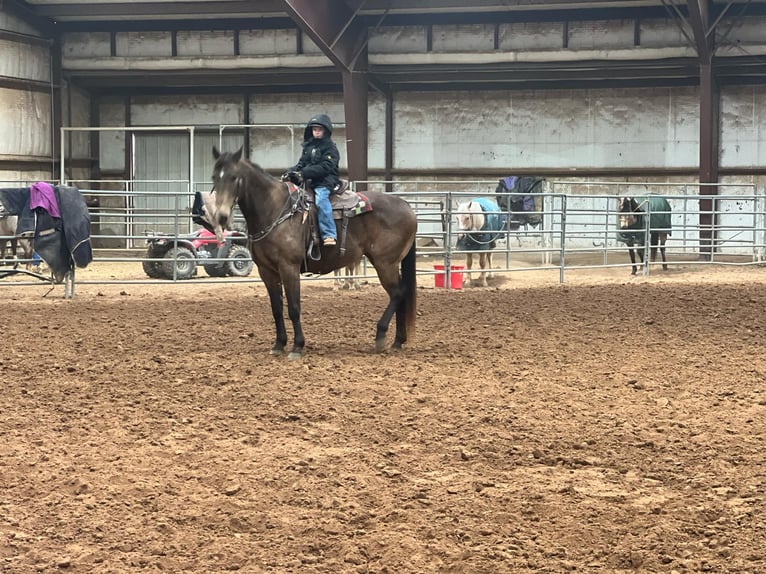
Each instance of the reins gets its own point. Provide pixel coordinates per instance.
(288, 211)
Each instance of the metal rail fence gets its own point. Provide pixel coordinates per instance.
(577, 230)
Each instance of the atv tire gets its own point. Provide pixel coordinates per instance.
(215, 269)
(153, 269)
(181, 260)
(241, 264)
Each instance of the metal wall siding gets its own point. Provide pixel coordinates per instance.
(743, 127)
(267, 42)
(205, 43)
(577, 128)
(661, 34)
(86, 45)
(465, 38)
(25, 129)
(531, 36)
(398, 40)
(143, 44)
(186, 110)
(600, 35)
(25, 61)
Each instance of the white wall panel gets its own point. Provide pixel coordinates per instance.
(86, 45)
(272, 147)
(555, 129)
(601, 34)
(78, 108)
(186, 110)
(398, 40)
(743, 30)
(141, 44)
(12, 23)
(531, 36)
(743, 127)
(205, 43)
(25, 129)
(660, 34)
(267, 42)
(112, 143)
(467, 37)
(24, 60)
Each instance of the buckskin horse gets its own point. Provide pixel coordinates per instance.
(279, 222)
(632, 214)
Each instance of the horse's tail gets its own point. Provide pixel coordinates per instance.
(409, 304)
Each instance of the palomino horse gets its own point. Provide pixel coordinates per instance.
(478, 223)
(632, 216)
(351, 279)
(278, 222)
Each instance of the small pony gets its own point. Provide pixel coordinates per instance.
(631, 217)
(479, 223)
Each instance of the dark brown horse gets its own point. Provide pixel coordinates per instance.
(633, 217)
(278, 228)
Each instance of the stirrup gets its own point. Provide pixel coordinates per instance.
(329, 241)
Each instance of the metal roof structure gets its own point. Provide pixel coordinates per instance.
(340, 28)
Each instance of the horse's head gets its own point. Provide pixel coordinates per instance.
(627, 210)
(228, 182)
(470, 217)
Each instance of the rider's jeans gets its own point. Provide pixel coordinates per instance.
(324, 209)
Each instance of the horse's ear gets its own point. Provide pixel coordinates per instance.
(238, 154)
(216, 153)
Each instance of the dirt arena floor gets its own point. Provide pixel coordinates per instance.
(606, 424)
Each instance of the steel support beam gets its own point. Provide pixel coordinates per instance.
(355, 97)
(710, 98)
(710, 125)
(342, 36)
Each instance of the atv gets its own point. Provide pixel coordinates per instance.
(171, 257)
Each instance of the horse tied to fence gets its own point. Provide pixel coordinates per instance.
(632, 216)
(281, 223)
(479, 222)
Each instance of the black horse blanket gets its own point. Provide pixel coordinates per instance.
(519, 196)
(63, 241)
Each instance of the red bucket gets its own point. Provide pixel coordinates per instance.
(456, 276)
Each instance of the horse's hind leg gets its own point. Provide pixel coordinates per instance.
(663, 239)
(389, 279)
(632, 254)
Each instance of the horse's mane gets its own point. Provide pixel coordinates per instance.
(229, 158)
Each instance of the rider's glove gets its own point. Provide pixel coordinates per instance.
(296, 177)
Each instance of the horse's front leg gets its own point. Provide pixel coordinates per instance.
(483, 266)
(292, 283)
(468, 265)
(274, 288)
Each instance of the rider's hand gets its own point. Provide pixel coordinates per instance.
(285, 176)
(296, 177)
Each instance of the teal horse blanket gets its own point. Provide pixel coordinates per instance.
(659, 219)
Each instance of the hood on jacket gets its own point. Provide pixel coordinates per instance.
(321, 119)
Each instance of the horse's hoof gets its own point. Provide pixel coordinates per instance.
(380, 345)
(294, 355)
(277, 352)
